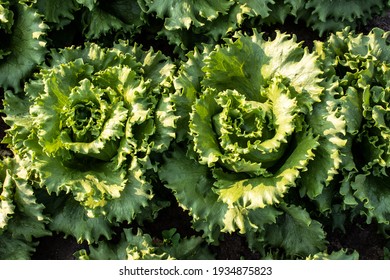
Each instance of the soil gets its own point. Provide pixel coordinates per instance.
(361, 237)
(365, 239)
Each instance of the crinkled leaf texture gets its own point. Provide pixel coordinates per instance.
(91, 125)
(73, 221)
(141, 246)
(21, 216)
(186, 22)
(22, 44)
(331, 16)
(357, 66)
(98, 18)
(325, 16)
(57, 13)
(251, 141)
(183, 14)
(296, 232)
(190, 23)
(104, 17)
(336, 255)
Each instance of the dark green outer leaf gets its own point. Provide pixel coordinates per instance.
(25, 48)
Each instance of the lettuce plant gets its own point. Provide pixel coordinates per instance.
(141, 246)
(186, 22)
(325, 16)
(189, 23)
(184, 14)
(98, 17)
(22, 45)
(91, 123)
(248, 105)
(330, 16)
(356, 66)
(57, 13)
(21, 216)
(105, 16)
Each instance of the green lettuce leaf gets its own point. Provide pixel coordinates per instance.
(6, 17)
(322, 16)
(296, 233)
(281, 9)
(98, 18)
(183, 14)
(73, 219)
(23, 42)
(357, 66)
(104, 17)
(15, 249)
(330, 16)
(190, 183)
(190, 23)
(22, 217)
(57, 13)
(337, 255)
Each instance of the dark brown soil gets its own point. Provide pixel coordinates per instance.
(57, 247)
(361, 237)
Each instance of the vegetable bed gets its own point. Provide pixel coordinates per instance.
(141, 129)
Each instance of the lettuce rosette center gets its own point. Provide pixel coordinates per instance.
(248, 135)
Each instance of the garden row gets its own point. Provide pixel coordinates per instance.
(252, 134)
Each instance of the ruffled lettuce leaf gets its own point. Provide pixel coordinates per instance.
(183, 14)
(57, 13)
(281, 9)
(23, 42)
(190, 183)
(191, 23)
(319, 183)
(322, 16)
(73, 219)
(296, 233)
(6, 18)
(337, 255)
(97, 18)
(15, 249)
(22, 217)
(357, 66)
(104, 17)
(330, 16)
